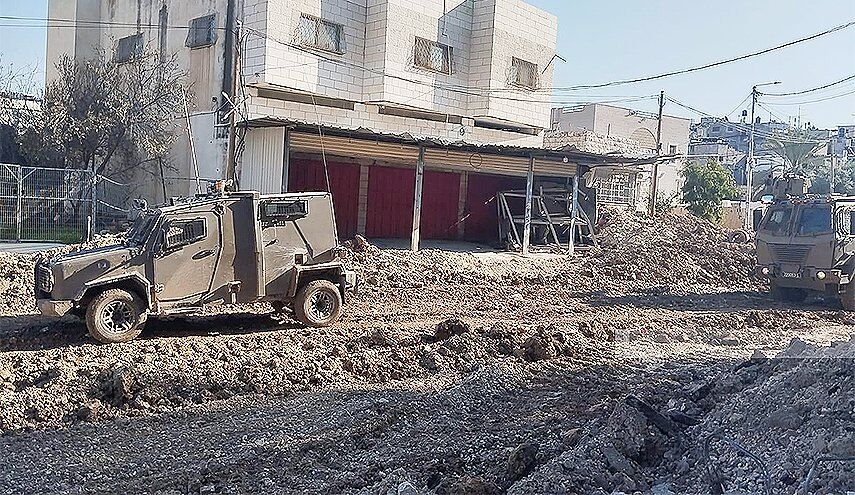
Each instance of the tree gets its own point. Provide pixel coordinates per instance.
(98, 109)
(705, 186)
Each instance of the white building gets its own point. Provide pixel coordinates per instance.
(397, 107)
(449, 70)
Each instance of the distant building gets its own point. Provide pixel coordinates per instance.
(609, 120)
(601, 128)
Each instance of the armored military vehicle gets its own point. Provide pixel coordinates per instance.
(806, 243)
(238, 247)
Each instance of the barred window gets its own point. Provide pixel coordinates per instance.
(183, 232)
(617, 189)
(434, 56)
(318, 33)
(203, 32)
(128, 48)
(525, 74)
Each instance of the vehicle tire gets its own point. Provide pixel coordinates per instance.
(318, 304)
(788, 294)
(847, 297)
(115, 315)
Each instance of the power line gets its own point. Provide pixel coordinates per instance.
(710, 65)
(835, 83)
(807, 102)
(744, 127)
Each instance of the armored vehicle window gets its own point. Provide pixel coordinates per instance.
(183, 232)
(814, 220)
(284, 210)
(140, 229)
(777, 220)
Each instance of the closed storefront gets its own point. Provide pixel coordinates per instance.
(390, 202)
(440, 199)
(482, 218)
(308, 175)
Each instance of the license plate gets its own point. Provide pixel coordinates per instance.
(790, 274)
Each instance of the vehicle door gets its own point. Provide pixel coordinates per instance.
(186, 257)
(845, 228)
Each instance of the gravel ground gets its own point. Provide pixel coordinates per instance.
(451, 373)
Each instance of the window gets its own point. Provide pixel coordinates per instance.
(524, 74)
(128, 48)
(433, 56)
(777, 220)
(203, 32)
(814, 220)
(183, 232)
(672, 149)
(715, 129)
(284, 210)
(616, 189)
(317, 33)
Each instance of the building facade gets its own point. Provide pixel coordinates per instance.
(609, 129)
(376, 100)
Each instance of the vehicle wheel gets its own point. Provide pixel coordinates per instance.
(847, 297)
(115, 315)
(318, 304)
(788, 294)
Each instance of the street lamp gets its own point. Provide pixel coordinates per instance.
(749, 164)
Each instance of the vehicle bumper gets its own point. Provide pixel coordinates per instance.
(806, 277)
(49, 307)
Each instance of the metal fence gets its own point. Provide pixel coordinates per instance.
(45, 204)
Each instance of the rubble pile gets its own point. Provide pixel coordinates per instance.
(761, 425)
(677, 251)
(789, 412)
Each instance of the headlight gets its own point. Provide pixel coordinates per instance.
(820, 275)
(765, 270)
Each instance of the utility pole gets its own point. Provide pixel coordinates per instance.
(749, 163)
(655, 182)
(231, 165)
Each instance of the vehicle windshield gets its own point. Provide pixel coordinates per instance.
(815, 219)
(141, 228)
(777, 220)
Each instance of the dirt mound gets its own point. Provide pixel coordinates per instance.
(17, 273)
(672, 250)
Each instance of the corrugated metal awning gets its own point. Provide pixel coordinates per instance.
(436, 158)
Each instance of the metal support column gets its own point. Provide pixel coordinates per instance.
(529, 185)
(19, 206)
(574, 214)
(417, 200)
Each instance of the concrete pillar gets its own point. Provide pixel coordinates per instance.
(461, 205)
(362, 201)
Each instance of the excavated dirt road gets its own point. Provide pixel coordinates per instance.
(453, 374)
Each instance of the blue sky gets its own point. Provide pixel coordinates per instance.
(618, 39)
